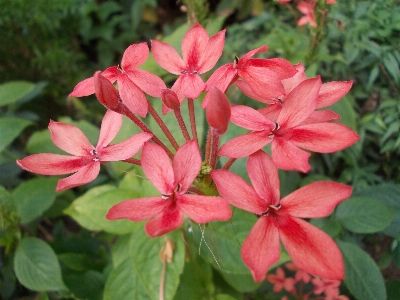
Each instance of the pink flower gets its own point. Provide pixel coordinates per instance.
(86, 159)
(307, 10)
(327, 286)
(280, 281)
(331, 1)
(218, 111)
(300, 274)
(200, 54)
(291, 131)
(166, 211)
(263, 76)
(310, 248)
(131, 81)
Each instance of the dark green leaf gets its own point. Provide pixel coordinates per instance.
(393, 289)
(12, 91)
(10, 128)
(86, 285)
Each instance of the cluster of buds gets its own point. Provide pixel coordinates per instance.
(190, 181)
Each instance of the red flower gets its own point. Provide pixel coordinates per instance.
(86, 159)
(291, 131)
(280, 281)
(307, 10)
(310, 248)
(166, 211)
(131, 81)
(200, 54)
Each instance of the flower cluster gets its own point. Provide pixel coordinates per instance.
(293, 120)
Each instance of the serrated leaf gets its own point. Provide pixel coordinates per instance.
(10, 128)
(145, 256)
(11, 92)
(33, 197)
(36, 266)
(363, 277)
(363, 215)
(90, 209)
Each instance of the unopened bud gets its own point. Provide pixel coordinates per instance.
(218, 110)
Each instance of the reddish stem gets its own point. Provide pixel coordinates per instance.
(181, 122)
(133, 161)
(228, 164)
(214, 148)
(208, 148)
(192, 119)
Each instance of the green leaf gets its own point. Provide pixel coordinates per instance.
(330, 225)
(40, 142)
(144, 254)
(86, 285)
(11, 92)
(36, 266)
(77, 261)
(33, 197)
(363, 277)
(345, 110)
(389, 195)
(392, 66)
(90, 209)
(363, 215)
(10, 128)
(241, 282)
(393, 289)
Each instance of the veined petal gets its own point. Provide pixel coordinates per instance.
(170, 99)
(251, 53)
(331, 92)
(221, 78)
(125, 149)
(299, 103)
(311, 249)
(52, 164)
(287, 156)
(148, 82)
(192, 85)
(321, 116)
(315, 200)
(186, 165)
(263, 82)
(245, 145)
(193, 45)
(292, 82)
(167, 57)
(85, 175)
(251, 119)
(105, 91)
(83, 88)
(264, 177)
(261, 248)
(238, 192)
(167, 220)
(69, 138)
(111, 73)
(134, 56)
(204, 209)
(218, 111)
(323, 137)
(110, 126)
(137, 209)
(212, 52)
(132, 96)
(245, 88)
(271, 111)
(157, 167)
(282, 67)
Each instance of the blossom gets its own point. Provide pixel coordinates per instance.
(290, 132)
(263, 76)
(85, 160)
(131, 81)
(200, 54)
(310, 248)
(173, 181)
(280, 281)
(218, 111)
(307, 10)
(300, 274)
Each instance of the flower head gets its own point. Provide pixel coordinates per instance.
(173, 181)
(86, 159)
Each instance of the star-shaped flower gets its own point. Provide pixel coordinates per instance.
(173, 181)
(85, 160)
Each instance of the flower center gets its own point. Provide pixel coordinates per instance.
(274, 207)
(95, 155)
(172, 195)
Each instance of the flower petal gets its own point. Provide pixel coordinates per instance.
(251, 53)
(271, 111)
(192, 85)
(204, 209)
(321, 116)
(132, 96)
(251, 119)
(157, 167)
(261, 248)
(245, 145)
(85, 175)
(148, 82)
(70, 138)
(292, 82)
(137, 209)
(193, 45)
(331, 92)
(212, 52)
(83, 88)
(323, 137)
(134, 56)
(218, 111)
(105, 91)
(167, 57)
(170, 99)
(311, 249)
(264, 177)
(186, 165)
(315, 200)
(168, 220)
(287, 156)
(110, 126)
(238, 192)
(52, 164)
(125, 149)
(282, 67)
(300, 103)
(245, 88)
